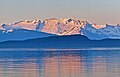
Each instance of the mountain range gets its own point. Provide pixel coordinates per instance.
(24, 30)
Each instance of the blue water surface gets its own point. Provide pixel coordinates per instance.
(60, 63)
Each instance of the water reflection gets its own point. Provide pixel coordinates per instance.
(63, 66)
(60, 64)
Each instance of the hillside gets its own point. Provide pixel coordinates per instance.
(73, 41)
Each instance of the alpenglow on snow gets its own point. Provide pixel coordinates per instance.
(23, 30)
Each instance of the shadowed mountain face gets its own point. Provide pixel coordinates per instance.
(22, 34)
(73, 41)
(60, 27)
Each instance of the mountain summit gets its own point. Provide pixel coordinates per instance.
(65, 26)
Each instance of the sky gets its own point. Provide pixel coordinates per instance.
(94, 11)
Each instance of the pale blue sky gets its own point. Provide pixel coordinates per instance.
(99, 11)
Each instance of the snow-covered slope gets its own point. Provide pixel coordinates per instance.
(111, 31)
(107, 31)
(92, 33)
(98, 26)
(63, 26)
(17, 33)
(29, 25)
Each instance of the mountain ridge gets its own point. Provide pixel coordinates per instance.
(67, 41)
(66, 26)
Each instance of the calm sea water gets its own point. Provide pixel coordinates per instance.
(59, 63)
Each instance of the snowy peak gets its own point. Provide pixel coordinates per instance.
(50, 26)
(98, 26)
(102, 32)
(66, 26)
(29, 25)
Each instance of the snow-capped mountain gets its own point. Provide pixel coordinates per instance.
(93, 33)
(111, 31)
(108, 31)
(63, 26)
(10, 32)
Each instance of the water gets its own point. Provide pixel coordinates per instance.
(59, 63)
